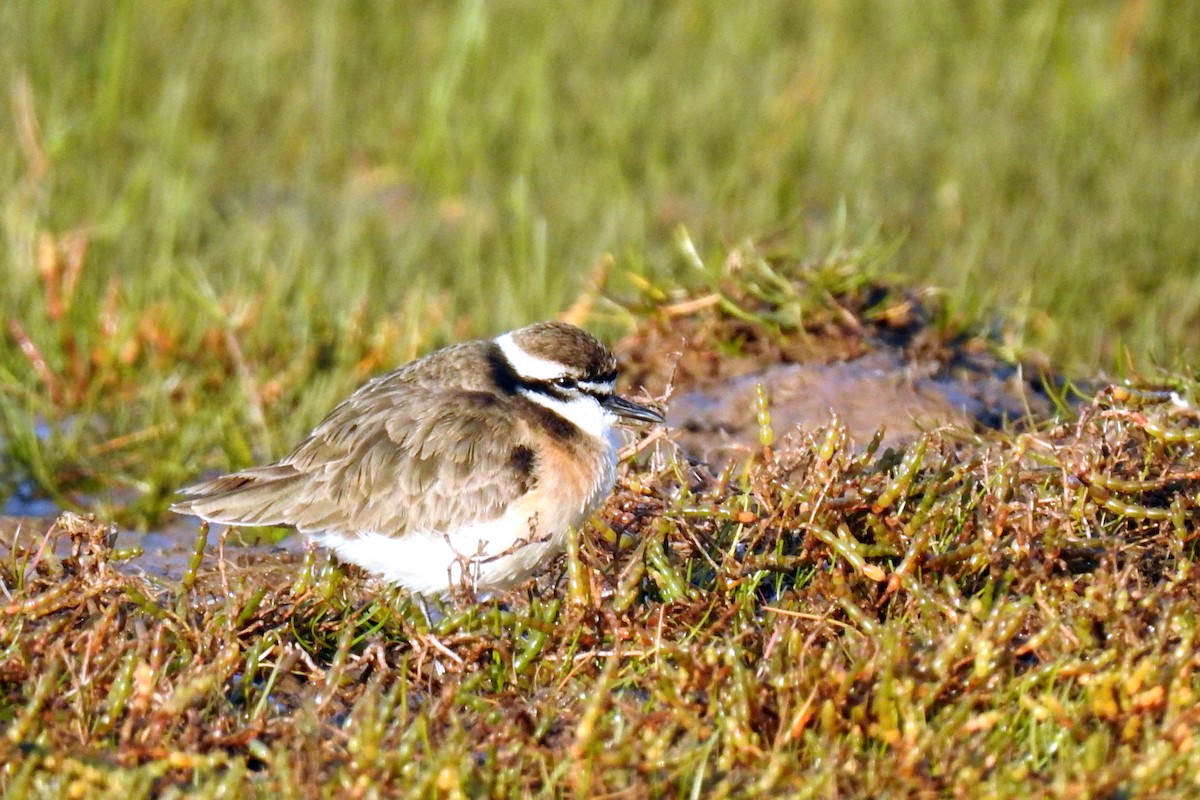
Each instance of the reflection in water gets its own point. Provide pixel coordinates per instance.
(26, 501)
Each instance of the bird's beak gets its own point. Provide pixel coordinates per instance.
(630, 410)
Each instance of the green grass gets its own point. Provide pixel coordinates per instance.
(217, 219)
(1010, 616)
(483, 155)
(303, 195)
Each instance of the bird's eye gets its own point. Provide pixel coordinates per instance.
(565, 383)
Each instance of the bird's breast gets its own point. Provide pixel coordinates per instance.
(571, 483)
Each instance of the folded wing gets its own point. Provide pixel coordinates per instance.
(387, 462)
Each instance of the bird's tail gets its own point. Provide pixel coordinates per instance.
(255, 496)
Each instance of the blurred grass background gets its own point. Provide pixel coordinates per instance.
(218, 218)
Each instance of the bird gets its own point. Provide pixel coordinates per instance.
(463, 469)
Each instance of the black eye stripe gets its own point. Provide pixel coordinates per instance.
(548, 388)
(566, 388)
(564, 393)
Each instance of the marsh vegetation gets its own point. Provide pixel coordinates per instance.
(219, 221)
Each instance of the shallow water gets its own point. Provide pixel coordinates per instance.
(161, 554)
(25, 502)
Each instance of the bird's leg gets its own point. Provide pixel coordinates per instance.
(221, 558)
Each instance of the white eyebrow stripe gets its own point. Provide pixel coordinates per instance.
(597, 387)
(526, 365)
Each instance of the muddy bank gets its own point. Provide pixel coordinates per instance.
(874, 359)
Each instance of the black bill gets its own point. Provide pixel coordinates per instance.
(630, 410)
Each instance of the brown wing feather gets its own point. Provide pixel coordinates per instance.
(392, 458)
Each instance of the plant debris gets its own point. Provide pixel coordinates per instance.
(970, 614)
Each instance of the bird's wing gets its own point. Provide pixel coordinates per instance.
(387, 462)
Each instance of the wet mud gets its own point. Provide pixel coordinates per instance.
(897, 373)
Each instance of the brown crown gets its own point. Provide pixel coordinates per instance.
(573, 348)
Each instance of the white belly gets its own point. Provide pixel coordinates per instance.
(481, 557)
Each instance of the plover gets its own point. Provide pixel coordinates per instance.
(464, 468)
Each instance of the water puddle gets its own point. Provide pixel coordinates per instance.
(26, 502)
(161, 554)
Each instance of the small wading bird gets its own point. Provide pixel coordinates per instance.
(463, 468)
